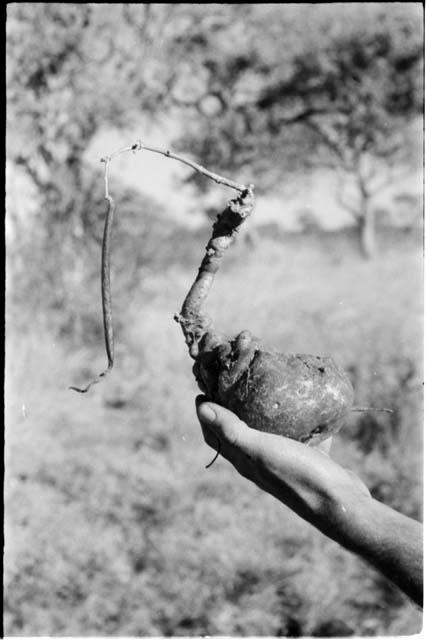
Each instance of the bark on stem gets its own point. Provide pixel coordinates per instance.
(193, 319)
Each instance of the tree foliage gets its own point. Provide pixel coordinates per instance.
(282, 87)
(351, 77)
(259, 90)
(73, 70)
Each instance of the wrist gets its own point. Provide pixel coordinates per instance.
(385, 538)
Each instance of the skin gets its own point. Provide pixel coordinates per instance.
(331, 498)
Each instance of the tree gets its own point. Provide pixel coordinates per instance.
(72, 70)
(286, 86)
(366, 92)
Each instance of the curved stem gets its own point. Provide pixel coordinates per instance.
(215, 457)
(192, 318)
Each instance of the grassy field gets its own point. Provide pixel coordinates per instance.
(114, 526)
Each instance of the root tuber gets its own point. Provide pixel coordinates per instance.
(303, 397)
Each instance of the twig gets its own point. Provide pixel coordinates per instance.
(139, 146)
(215, 457)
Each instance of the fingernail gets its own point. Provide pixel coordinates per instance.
(206, 413)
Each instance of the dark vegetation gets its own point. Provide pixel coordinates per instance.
(113, 526)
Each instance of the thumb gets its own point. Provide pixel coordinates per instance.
(221, 424)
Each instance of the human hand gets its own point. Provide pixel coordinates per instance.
(322, 492)
(302, 477)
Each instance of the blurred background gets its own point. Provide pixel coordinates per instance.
(113, 526)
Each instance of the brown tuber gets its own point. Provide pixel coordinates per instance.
(302, 397)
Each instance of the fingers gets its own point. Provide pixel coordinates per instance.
(222, 426)
(302, 477)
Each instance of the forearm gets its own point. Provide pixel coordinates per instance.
(388, 540)
(323, 493)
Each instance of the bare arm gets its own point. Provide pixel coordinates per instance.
(388, 540)
(322, 492)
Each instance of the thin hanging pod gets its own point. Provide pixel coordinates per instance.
(105, 285)
(106, 245)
